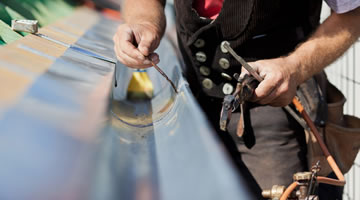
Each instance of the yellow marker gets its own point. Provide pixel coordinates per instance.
(140, 86)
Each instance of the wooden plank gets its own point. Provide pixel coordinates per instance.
(25, 59)
(76, 24)
(73, 25)
(57, 35)
(48, 47)
(35, 55)
(60, 24)
(12, 86)
(40, 44)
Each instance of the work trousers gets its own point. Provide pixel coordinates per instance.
(279, 148)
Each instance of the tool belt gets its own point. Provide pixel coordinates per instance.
(322, 102)
(341, 133)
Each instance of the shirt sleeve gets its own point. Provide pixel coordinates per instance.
(343, 6)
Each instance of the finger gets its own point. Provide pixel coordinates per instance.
(152, 58)
(146, 45)
(124, 57)
(125, 43)
(129, 61)
(117, 50)
(269, 98)
(135, 63)
(254, 65)
(265, 88)
(243, 73)
(282, 99)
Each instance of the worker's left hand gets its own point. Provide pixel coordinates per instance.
(281, 79)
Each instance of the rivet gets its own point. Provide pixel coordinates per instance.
(226, 76)
(207, 83)
(200, 56)
(205, 71)
(224, 63)
(227, 88)
(222, 47)
(199, 43)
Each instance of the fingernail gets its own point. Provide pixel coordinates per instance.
(141, 57)
(146, 62)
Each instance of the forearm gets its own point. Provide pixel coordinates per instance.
(145, 11)
(329, 42)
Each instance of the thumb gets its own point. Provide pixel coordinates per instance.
(246, 72)
(144, 49)
(146, 43)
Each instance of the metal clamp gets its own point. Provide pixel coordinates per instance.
(244, 91)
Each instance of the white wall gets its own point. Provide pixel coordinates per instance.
(345, 74)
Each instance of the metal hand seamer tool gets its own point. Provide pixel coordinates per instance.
(31, 26)
(245, 88)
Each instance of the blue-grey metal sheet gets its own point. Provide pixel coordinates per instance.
(174, 152)
(67, 138)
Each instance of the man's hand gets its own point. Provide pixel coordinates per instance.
(280, 81)
(136, 39)
(135, 42)
(282, 75)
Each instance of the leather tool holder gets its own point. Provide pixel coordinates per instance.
(341, 133)
(241, 120)
(239, 126)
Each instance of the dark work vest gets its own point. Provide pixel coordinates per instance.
(255, 29)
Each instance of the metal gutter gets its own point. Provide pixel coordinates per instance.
(73, 135)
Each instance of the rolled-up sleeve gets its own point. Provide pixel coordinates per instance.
(343, 6)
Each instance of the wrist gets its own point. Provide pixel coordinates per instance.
(155, 20)
(295, 69)
(158, 27)
(155, 26)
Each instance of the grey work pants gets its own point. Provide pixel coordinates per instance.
(278, 152)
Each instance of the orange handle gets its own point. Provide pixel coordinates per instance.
(329, 158)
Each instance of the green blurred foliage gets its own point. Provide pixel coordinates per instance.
(45, 11)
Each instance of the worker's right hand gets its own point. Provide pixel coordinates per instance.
(135, 44)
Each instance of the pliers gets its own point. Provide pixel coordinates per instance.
(245, 88)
